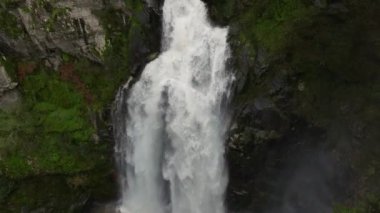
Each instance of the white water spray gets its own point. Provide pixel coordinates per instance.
(171, 141)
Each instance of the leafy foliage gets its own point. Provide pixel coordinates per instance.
(49, 133)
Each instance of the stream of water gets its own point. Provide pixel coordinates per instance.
(171, 123)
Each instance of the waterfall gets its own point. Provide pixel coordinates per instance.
(170, 125)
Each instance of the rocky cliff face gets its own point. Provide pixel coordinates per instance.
(302, 131)
(61, 65)
(50, 26)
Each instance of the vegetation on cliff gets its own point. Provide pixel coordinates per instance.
(56, 148)
(314, 64)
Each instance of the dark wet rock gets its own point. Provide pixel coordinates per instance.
(13, 47)
(261, 103)
(102, 208)
(337, 8)
(300, 124)
(320, 3)
(243, 62)
(261, 63)
(278, 83)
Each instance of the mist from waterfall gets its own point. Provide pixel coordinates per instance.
(170, 125)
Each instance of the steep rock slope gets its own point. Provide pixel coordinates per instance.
(61, 65)
(304, 135)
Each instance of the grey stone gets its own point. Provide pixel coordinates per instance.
(76, 31)
(9, 97)
(263, 103)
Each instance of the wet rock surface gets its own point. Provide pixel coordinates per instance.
(293, 134)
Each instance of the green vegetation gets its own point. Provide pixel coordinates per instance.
(327, 60)
(343, 209)
(269, 24)
(275, 27)
(49, 157)
(370, 205)
(222, 10)
(9, 23)
(100, 81)
(6, 188)
(57, 16)
(105, 80)
(49, 134)
(10, 66)
(53, 194)
(48, 142)
(121, 32)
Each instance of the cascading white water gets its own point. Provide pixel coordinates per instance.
(171, 145)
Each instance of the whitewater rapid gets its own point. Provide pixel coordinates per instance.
(170, 134)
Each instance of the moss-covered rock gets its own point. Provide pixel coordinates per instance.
(9, 21)
(56, 149)
(317, 66)
(46, 134)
